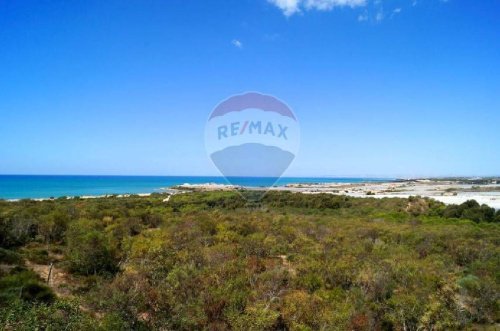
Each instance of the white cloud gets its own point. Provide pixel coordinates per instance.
(369, 10)
(395, 12)
(236, 43)
(290, 7)
(363, 17)
(330, 4)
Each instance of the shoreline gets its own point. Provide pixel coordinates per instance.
(445, 191)
(16, 187)
(448, 192)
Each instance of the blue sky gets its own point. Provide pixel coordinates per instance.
(381, 88)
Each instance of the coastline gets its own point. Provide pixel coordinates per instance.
(446, 191)
(47, 186)
(449, 192)
(82, 197)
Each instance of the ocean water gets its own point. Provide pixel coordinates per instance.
(35, 187)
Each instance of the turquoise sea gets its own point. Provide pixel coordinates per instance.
(36, 186)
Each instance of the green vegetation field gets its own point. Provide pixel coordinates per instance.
(213, 261)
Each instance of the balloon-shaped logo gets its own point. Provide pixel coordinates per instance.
(252, 135)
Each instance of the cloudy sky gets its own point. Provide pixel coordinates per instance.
(381, 88)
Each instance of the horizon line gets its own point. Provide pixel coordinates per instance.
(290, 176)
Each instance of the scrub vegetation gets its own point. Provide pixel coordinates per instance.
(213, 261)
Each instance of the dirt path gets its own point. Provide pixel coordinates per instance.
(60, 281)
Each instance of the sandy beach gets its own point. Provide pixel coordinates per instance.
(448, 192)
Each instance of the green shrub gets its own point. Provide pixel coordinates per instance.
(20, 315)
(24, 284)
(9, 257)
(89, 251)
(38, 255)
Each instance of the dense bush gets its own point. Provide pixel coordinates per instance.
(25, 285)
(215, 261)
(297, 200)
(471, 210)
(89, 251)
(19, 315)
(9, 257)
